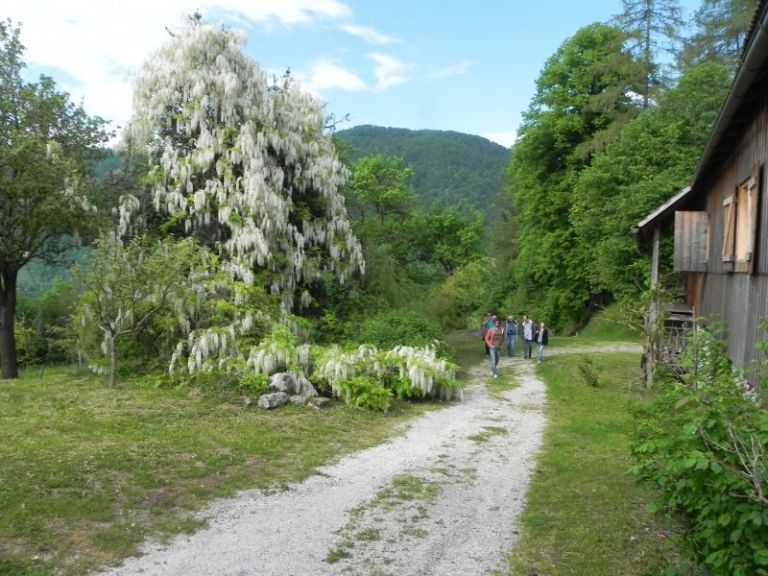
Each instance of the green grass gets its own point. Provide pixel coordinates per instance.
(88, 473)
(611, 325)
(585, 515)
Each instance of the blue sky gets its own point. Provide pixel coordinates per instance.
(464, 65)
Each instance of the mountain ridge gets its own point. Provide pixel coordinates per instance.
(451, 168)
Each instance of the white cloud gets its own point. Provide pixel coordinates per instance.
(389, 71)
(101, 45)
(506, 139)
(327, 75)
(458, 69)
(285, 12)
(368, 34)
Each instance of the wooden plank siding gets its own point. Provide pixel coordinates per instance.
(691, 242)
(737, 299)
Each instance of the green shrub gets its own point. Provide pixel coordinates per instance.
(254, 383)
(402, 387)
(364, 392)
(704, 445)
(397, 327)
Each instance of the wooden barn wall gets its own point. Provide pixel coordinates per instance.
(738, 300)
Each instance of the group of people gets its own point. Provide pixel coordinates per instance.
(495, 336)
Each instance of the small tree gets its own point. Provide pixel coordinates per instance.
(128, 286)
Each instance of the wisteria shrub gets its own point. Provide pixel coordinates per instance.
(364, 392)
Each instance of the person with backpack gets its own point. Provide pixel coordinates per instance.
(510, 332)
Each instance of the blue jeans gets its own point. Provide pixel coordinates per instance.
(527, 348)
(511, 342)
(539, 350)
(494, 360)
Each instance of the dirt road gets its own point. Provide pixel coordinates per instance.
(442, 499)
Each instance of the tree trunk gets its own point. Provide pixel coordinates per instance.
(8, 278)
(113, 362)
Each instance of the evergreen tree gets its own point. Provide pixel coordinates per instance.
(722, 27)
(652, 26)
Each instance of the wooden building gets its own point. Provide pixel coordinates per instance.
(720, 221)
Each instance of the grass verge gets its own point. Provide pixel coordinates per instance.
(89, 473)
(584, 514)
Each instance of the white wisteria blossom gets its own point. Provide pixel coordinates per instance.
(244, 164)
(430, 374)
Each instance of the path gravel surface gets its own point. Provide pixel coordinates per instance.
(442, 499)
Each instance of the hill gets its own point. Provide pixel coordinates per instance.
(450, 168)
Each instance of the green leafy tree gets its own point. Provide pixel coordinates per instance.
(584, 97)
(46, 142)
(446, 238)
(654, 158)
(380, 186)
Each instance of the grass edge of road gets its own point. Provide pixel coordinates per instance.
(584, 513)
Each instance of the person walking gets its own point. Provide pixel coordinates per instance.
(494, 339)
(527, 328)
(541, 337)
(484, 327)
(510, 332)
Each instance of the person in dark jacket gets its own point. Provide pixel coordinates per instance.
(510, 331)
(541, 337)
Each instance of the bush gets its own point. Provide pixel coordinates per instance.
(255, 384)
(397, 327)
(704, 445)
(364, 392)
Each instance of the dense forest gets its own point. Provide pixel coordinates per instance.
(449, 168)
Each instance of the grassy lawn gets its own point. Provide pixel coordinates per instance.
(87, 473)
(585, 515)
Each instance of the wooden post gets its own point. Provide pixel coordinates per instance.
(653, 310)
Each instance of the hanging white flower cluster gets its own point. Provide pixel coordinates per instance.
(432, 375)
(247, 166)
(334, 365)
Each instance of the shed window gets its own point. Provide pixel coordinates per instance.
(740, 226)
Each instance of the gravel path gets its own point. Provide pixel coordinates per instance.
(442, 499)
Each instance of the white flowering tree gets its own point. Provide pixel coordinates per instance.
(243, 164)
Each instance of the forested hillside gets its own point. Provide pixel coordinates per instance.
(449, 168)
